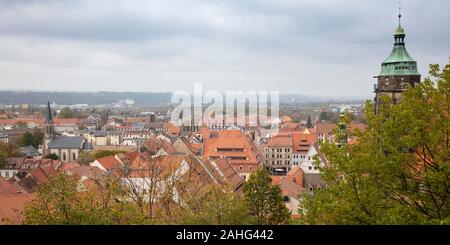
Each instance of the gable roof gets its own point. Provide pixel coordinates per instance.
(108, 162)
(87, 171)
(226, 171)
(302, 142)
(6, 187)
(193, 149)
(291, 185)
(66, 142)
(65, 166)
(154, 144)
(280, 141)
(11, 205)
(230, 139)
(43, 174)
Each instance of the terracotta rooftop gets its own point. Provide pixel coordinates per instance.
(230, 143)
(67, 166)
(280, 141)
(302, 142)
(227, 172)
(109, 162)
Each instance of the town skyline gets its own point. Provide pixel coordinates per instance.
(222, 45)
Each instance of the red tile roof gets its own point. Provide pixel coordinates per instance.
(280, 141)
(67, 166)
(226, 171)
(11, 206)
(154, 144)
(292, 184)
(43, 174)
(6, 188)
(232, 144)
(302, 142)
(87, 171)
(109, 162)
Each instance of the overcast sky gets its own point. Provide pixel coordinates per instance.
(312, 47)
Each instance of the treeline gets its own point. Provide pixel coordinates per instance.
(91, 98)
(63, 201)
(103, 98)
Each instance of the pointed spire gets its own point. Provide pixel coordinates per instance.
(49, 113)
(399, 31)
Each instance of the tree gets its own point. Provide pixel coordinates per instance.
(66, 112)
(214, 206)
(399, 172)
(328, 116)
(3, 158)
(34, 139)
(309, 122)
(264, 201)
(9, 150)
(52, 156)
(104, 153)
(60, 201)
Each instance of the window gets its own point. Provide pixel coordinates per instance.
(309, 167)
(6, 174)
(64, 156)
(74, 156)
(241, 168)
(250, 168)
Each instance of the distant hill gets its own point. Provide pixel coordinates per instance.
(141, 98)
(91, 98)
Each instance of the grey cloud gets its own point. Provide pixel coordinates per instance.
(291, 45)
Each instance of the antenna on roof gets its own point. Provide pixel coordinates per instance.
(399, 11)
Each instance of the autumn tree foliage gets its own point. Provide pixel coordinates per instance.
(399, 173)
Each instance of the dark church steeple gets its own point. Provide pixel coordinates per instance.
(49, 128)
(398, 71)
(48, 118)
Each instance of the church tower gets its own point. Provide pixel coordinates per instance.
(49, 129)
(398, 71)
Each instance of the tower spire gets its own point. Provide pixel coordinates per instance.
(399, 12)
(49, 113)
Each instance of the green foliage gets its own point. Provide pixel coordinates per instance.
(3, 158)
(52, 156)
(309, 122)
(329, 116)
(66, 112)
(104, 153)
(9, 150)
(264, 201)
(59, 201)
(399, 172)
(34, 139)
(214, 207)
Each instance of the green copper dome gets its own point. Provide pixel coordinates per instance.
(399, 61)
